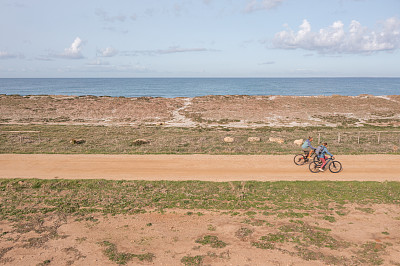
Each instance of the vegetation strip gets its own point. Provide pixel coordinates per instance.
(74, 139)
(22, 197)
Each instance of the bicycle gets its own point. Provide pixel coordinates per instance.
(300, 159)
(333, 165)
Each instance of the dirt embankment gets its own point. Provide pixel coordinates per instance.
(230, 111)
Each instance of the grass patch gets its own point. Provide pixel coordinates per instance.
(192, 260)
(371, 253)
(366, 210)
(211, 240)
(329, 218)
(122, 257)
(243, 233)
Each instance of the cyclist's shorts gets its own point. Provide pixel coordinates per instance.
(307, 149)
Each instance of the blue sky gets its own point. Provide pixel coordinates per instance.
(199, 38)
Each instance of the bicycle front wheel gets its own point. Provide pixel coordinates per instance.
(314, 167)
(335, 167)
(299, 159)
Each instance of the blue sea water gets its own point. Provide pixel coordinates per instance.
(191, 87)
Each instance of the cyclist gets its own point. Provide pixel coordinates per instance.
(323, 157)
(307, 147)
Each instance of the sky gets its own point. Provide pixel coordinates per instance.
(199, 38)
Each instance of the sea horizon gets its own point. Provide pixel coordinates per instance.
(171, 87)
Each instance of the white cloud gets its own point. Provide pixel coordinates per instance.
(170, 50)
(73, 52)
(7, 55)
(118, 18)
(268, 63)
(176, 49)
(98, 62)
(335, 39)
(255, 5)
(104, 16)
(108, 52)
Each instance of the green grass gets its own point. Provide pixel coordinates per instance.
(122, 257)
(212, 241)
(21, 197)
(164, 140)
(192, 260)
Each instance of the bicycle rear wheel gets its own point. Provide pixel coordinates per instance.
(299, 159)
(314, 167)
(335, 167)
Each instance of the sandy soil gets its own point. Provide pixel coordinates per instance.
(193, 167)
(171, 237)
(207, 111)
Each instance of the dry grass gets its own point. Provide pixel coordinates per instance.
(172, 140)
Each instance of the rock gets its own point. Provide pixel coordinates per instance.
(277, 140)
(138, 142)
(229, 139)
(254, 139)
(77, 141)
(298, 142)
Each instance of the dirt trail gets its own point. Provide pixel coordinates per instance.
(193, 167)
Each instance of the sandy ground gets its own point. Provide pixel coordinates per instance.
(207, 111)
(193, 167)
(171, 237)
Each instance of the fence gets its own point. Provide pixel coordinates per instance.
(20, 133)
(372, 136)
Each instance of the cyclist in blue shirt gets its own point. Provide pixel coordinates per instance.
(307, 147)
(323, 157)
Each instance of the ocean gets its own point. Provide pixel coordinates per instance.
(191, 87)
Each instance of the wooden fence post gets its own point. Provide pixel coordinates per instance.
(338, 140)
(379, 137)
(358, 139)
(319, 138)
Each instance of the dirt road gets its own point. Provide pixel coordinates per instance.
(193, 167)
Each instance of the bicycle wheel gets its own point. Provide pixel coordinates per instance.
(314, 167)
(335, 167)
(317, 160)
(299, 159)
